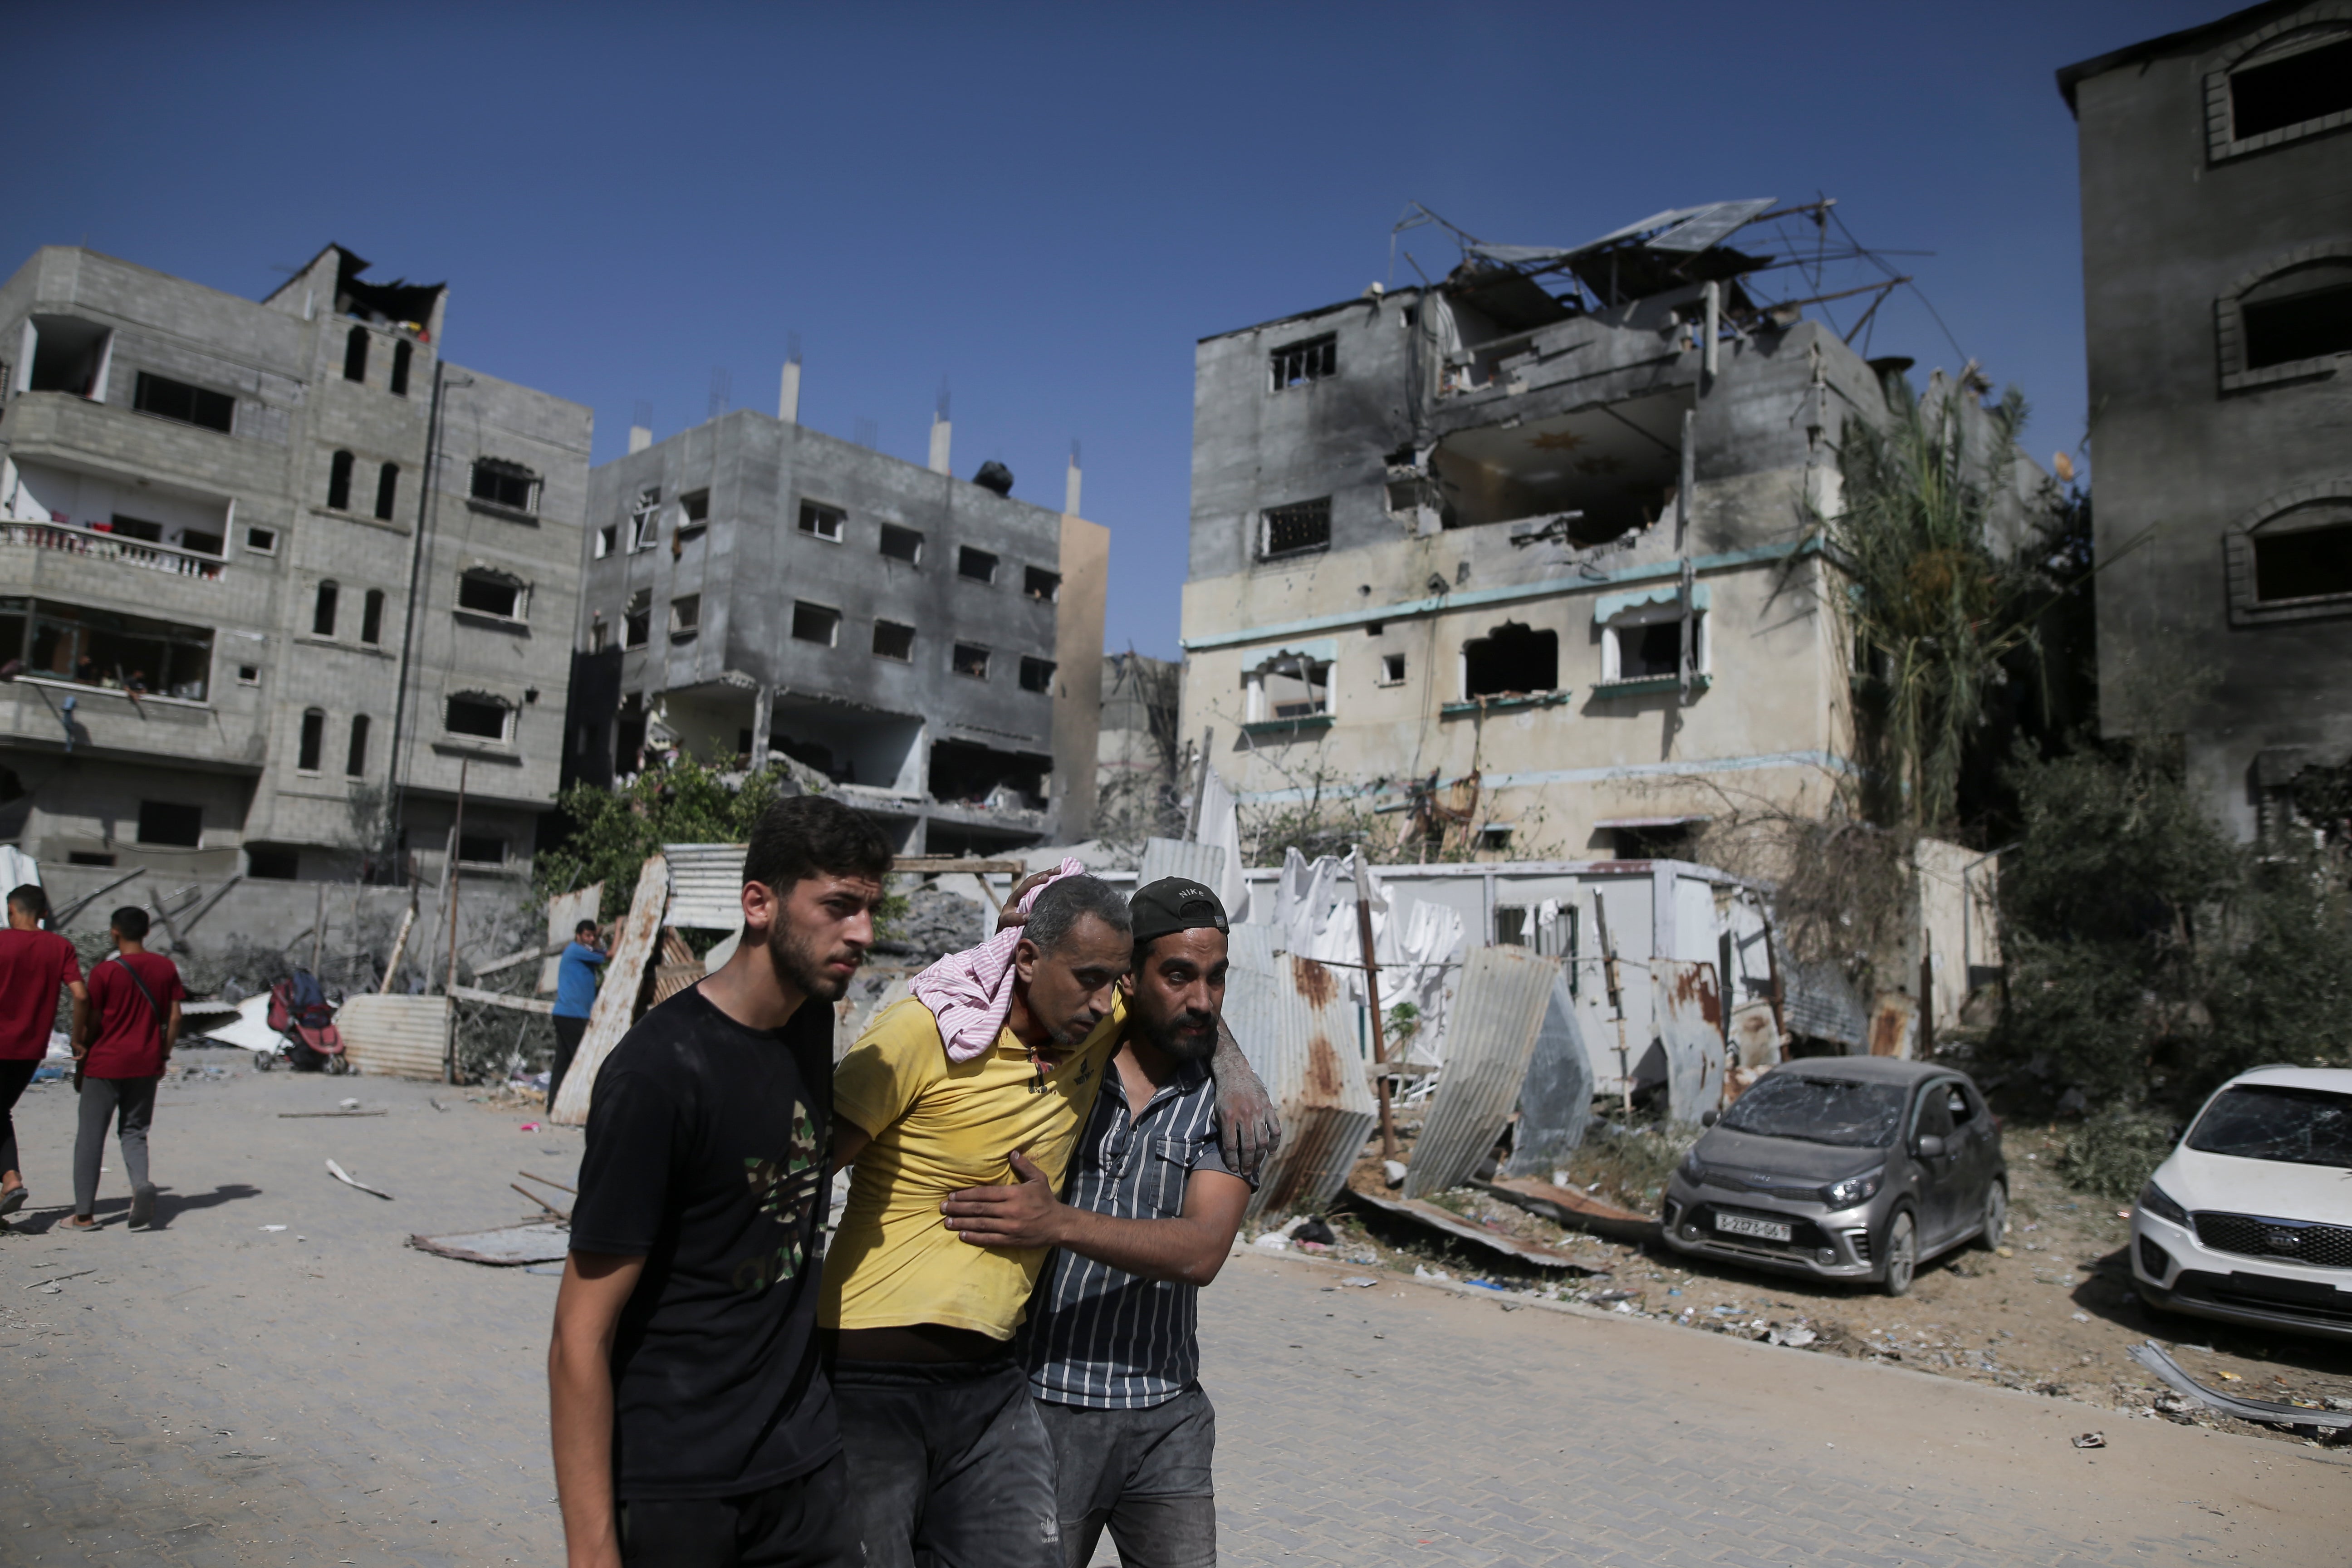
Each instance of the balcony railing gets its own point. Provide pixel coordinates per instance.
(97, 546)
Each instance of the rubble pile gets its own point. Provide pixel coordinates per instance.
(937, 922)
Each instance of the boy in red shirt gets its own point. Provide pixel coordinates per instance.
(134, 1012)
(33, 964)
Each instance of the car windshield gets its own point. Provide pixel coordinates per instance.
(2269, 1121)
(1838, 1110)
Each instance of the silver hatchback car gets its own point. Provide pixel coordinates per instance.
(1845, 1168)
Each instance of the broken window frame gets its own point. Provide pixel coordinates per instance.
(1534, 635)
(1267, 697)
(809, 615)
(1640, 618)
(829, 523)
(644, 519)
(898, 635)
(1393, 669)
(498, 484)
(909, 540)
(1305, 526)
(1303, 363)
(487, 585)
(477, 703)
(969, 660)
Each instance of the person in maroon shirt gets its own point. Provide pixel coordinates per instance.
(134, 1017)
(33, 964)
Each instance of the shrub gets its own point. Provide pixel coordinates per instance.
(2113, 1154)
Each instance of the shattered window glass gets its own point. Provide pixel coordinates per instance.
(1841, 1111)
(2266, 1122)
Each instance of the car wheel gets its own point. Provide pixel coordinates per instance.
(1996, 1216)
(1902, 1255)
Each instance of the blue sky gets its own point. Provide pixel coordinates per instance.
(1042, 206)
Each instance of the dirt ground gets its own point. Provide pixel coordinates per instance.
(2052, 1311)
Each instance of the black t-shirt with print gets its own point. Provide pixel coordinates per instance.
(706, 1157)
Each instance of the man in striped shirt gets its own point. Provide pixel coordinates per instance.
(1148, 1219)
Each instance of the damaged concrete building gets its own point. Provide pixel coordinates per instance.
(1524, 553)
(272, 575)
(2217, 266)
(931, 645)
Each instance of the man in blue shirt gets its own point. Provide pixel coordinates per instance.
(575, 998)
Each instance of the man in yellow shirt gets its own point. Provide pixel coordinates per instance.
(949, 1460)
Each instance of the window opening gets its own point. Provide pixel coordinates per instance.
(2310, 84)
(1296, 528)
(261, 541)
(491, 593)
(892, 640)
(68, 354)
(902, 545)
(338, 483)
(314, 740)
(824, 523)
(1496, 837)
(685, 617)
(2304, 314)
(481, 849)
(322, 611)
(1039, 584)
(1391, 669)
(1288, 686)
(88, 857)
(977, 565)
(355, 355)
(1652, 840)
(1510, 920)
(814, 623)
(248, 674)
(644, 519)
(402, 355)
(2303, 564)
(510, 485)
(608, 539)
(637, 619)
(387, 490)
(965, 771)
(483, 718)
(1650, 647)
(273, 862)
(971, 660)
(170, 823)
(1313, 359)
(1590, 475)
(1037, 674)
(137, 528)
(372, 617)
(1511, 660)
(169, 399)
(100, 647)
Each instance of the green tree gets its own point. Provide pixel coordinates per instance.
(611, 831)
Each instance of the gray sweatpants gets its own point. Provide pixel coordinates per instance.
(129, 1104)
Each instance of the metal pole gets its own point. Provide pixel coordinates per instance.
(318, 931)
(457, 842)
(1372, 996)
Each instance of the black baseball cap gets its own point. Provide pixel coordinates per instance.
(1173, 904)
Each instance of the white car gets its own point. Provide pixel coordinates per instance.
(2250, 1220)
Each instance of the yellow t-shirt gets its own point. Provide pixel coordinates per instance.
(939, 1127)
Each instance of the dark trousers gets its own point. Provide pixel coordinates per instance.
(14, 1076)
(129, 1104)
(568, 1032)
(1146, 1474)
(800, 1523)
(949, 1465)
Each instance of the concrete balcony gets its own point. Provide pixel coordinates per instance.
(56, 716)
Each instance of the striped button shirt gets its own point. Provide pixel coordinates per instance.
(1098, 1337)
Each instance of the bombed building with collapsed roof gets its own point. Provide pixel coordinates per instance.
(1530, 553)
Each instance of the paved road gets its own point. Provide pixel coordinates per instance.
(214, 1393)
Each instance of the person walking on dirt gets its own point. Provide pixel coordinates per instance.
(34, 962)
(575, 998)
(133, 1021)
(692, 1420)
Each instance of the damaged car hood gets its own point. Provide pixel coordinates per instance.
(1732, 1154)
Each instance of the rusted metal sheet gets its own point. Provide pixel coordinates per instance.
(565, 913)
(1203, 863)
(397, 1037)
(1689, 1013)
(1556, 1098)
(678, 968)
(1894, 1025)
(1454, 1226)
(1499, 1010)
(1293, 1020)
(706, 884)
(616, 999)
(1575, 1210)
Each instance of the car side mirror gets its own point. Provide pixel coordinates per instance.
(1708, 1118)
(1930, 1146)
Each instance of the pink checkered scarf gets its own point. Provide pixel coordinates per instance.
(971, 993)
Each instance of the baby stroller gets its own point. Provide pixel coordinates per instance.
(300, 1011)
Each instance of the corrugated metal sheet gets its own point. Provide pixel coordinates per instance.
(706, 884)
(1204, 863)
(1690, 1027)
(1292, 1018)
(397, 1037)
(1497, 1014)
(616, 998)
(1821, 1004)
(1555, 1099)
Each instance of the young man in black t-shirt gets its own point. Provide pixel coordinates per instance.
(693, 1423)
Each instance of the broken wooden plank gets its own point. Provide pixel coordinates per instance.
(501, 999)
(626, 975)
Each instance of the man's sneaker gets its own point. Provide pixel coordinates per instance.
(142, 1205)
(12, 1200)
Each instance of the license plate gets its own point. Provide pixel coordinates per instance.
(1761, 1229)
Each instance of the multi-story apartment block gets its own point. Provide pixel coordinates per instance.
(2217, 273)
(931, 645)
(274, 575)
(1527, 555)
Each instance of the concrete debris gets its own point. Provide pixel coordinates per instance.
(1453, 1225)
(1573, 1209)
(2091, 1441)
